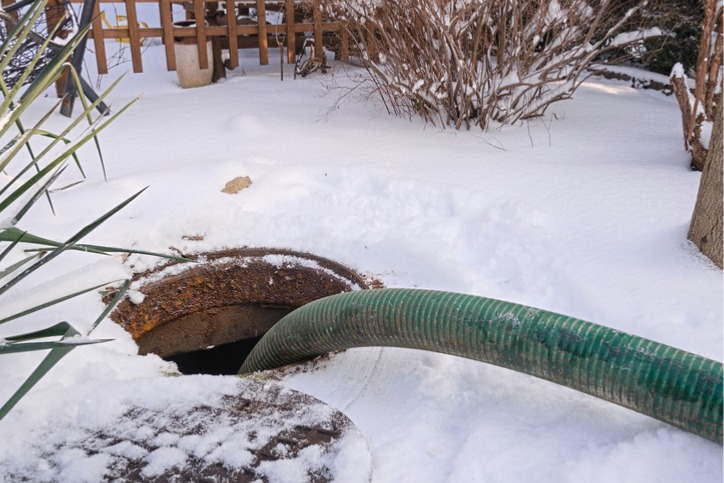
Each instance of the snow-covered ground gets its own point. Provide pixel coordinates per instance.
(583, 212)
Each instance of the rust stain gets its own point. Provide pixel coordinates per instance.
(243, 280)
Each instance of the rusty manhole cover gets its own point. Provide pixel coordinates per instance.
(218, 308)
(241, 430)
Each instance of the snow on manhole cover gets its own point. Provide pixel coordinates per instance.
(252, 430)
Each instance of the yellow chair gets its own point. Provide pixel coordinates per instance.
(121, 23)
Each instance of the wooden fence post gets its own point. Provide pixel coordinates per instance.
(261, 23)
(290, 20)
(99, 42)
(200, 15)
(54, 15)
(135, 38)
(233, 36)
(318, 38)
(167, 34)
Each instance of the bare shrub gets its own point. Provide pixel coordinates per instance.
(469, 62)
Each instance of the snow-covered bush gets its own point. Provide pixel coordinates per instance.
(472, 62)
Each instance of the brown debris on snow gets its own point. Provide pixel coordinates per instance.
(237, 184)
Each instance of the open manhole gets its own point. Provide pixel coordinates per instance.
(207, 316)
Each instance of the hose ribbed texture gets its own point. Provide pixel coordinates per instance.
(672, 385)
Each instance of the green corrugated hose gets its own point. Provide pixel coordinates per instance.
(663, 382)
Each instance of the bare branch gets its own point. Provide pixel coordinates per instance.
(473, 62)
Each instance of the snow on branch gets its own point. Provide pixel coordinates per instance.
(628, 38)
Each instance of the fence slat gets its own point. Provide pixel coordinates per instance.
(261, 29)
(233, 35)
(200, 16)
(99, 44)
(167, 27)
(54, 15)
(318, 42)
(261, 25)
(134, 37)
(344, 49)
(289, 20)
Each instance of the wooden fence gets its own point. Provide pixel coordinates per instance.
(232, 32)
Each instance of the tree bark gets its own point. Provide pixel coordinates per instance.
(706, 223)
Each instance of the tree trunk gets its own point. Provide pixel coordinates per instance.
(691, 124)
(706, 95)
(706, 223)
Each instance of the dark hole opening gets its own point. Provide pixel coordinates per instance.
(213, 341)
(207, 318)
(220, 360)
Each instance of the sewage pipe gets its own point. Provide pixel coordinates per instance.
(669, 384)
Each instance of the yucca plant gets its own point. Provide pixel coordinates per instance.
(30, 176)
